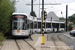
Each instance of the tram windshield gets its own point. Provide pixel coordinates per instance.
(18, 23)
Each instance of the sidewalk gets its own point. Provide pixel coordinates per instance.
(48, 45)
(38, 40)
(9, 45)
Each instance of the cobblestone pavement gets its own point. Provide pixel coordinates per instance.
(52, 42)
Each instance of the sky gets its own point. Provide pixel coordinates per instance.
(21, 6)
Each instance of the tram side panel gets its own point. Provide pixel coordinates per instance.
(55, 27)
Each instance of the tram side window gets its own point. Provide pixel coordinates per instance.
(39, 24)
(54, 25)
(35, 25)
(48, 25)
(62, 25)
(31, 25)
(26, 24)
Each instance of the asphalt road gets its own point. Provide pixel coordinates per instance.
(68, 41)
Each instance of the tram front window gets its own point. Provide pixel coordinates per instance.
(18, 23)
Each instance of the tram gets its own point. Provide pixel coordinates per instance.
(24, 25)
(49, 26)
(20, 24)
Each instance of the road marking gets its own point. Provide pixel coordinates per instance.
(69, 36)
(38, 41)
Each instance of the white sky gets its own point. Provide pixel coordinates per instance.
(22, 7)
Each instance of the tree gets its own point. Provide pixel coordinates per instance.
(70, 27)
(33, 14)
(62, 18)
(72, 18)
(6, 9)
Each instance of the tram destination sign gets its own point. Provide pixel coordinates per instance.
(18, 16)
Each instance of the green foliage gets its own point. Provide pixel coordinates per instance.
(6, 9)
(1, 44)
(33, 14)
(70, 27)
(62, 18)
(72, 18)
(2, 38)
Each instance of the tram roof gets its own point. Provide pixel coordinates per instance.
(28, 16)
(19, 13)
(48, 21)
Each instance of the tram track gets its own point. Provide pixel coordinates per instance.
(61, 39)
(29, 44)
(57, 43)
(17, 45)
(53, 39)
(23, 42)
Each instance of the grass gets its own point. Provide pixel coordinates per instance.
(1, 44)
(2, 38)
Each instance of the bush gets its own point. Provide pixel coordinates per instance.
(2, 38)
(1, 44)
(6, 9)
(70, 27)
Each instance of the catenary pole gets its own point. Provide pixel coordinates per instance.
(66, 16)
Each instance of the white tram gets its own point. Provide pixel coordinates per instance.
(24, 25)
(21, 24)
(50, 26)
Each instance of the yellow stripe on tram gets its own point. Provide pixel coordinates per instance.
(18, 31)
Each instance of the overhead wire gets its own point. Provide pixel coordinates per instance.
(28, 2)
(53, 1)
